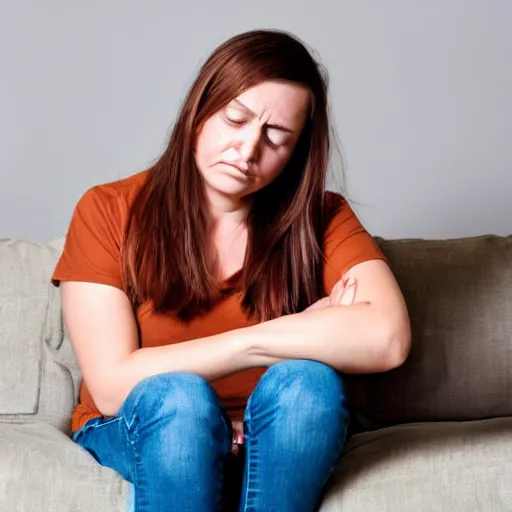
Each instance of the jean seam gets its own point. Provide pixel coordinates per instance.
(138, 473)
(251, 463)
(136, 399)
(97, 426)
(139, 478)
(105, 423)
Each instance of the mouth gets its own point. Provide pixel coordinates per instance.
(245, 172)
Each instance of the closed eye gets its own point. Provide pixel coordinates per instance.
(270, 143)
(274, 137)
(234, 116)
(236, 122)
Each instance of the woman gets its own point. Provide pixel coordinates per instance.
(219, 286)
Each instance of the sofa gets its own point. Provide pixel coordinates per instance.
(432, 435)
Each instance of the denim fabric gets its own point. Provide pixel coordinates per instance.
(172, 437)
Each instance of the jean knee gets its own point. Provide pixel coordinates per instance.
(303, 387)
(174, 396)
(304, 403)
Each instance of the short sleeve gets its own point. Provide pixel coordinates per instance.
(346, 243)
(92, 248)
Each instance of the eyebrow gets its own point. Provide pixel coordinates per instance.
(272, 126)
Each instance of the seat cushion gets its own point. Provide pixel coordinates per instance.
(43, 469)
(445, 467)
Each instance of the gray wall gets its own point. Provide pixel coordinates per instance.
(421, 95)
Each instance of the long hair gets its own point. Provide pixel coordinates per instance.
(166, 254)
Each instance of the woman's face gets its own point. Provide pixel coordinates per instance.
(243, 147)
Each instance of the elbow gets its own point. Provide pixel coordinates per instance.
(110, 388)
(108, 408)
(397, 345)
(107, 403)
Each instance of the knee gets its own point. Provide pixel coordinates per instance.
(303, 389)
(173, 396)
(175, 420)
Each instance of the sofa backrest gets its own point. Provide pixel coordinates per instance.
(459, 295)
(37, 367)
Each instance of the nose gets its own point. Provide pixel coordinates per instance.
(249, 143)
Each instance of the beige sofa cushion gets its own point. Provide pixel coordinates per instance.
(459, 294)
(41, 469)
(437, 467)
(38, 369)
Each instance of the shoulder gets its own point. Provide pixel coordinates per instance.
(339, 217)
(110, 202)
(333, 201)
(127, 187)
(115, 193)
(346, 242)
(94, 237)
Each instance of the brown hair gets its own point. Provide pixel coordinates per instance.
(166, 255)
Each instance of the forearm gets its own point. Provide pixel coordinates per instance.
(211, 357)
(352, 339)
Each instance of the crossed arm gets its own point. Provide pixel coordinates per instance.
(359, 329)
(367, 334)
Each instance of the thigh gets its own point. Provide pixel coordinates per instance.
(295, 423)
(170, 439)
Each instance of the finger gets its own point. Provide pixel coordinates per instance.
(238, 432)
(238, 425)
(339, 290)
(349, 294)
(337, 295)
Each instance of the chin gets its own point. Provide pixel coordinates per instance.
(229, 186)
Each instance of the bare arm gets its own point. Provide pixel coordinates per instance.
(103, 331)
(372, 335)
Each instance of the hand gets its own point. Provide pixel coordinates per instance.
(238, 436)
(342, 294)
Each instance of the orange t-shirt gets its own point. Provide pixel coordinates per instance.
(92, 254)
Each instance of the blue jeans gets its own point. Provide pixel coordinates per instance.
(172, 440)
